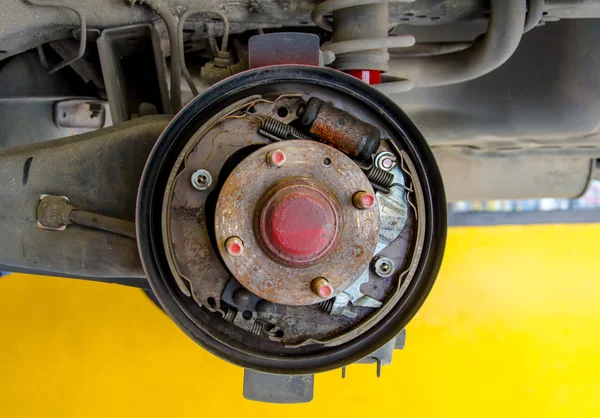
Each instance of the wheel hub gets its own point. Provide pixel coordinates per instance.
(303, 212)
(298, 223)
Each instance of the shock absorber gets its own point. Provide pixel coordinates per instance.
(360, 36)
(359, 41)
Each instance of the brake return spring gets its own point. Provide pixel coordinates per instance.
(376, 175)
(282, 130)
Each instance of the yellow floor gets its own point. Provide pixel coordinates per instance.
(511, 329)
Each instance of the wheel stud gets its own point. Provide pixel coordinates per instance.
(234, 246)
(276, 158)
(363, 200)
(322, 287)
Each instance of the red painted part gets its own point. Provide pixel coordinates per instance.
(368, 76)
(235, 248)
(367, 200)
(278, 157)
(325, 292)
(299, 224)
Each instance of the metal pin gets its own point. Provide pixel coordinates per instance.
(343, 372)
(378, 360)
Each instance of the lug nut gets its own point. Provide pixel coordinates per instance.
(363, 200)
(234, 246)
(276, 158)
(322, 287)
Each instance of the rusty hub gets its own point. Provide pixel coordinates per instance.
(304, 226)
(298, 222)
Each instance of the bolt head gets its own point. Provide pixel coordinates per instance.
(276, 158)
(387, 163)
(322, 288)
(234, 246)
(201, 179)
(363, 200)
(383, 267)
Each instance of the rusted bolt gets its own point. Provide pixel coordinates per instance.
(363, 200)
(322, 287)
(276, 158)
(234, 246)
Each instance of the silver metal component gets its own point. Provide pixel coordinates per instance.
(326, 57)
(381, 179)
(383, 267)
(400, 340)
(349, 312)
(275, 388)
(339, 303)
(86, 114)
(385, 161)
(393, 213)
(201, 179)
(393, 210)
(367, 302)
(360, 32)
(354, 296)
(381, 357)
(340, 306)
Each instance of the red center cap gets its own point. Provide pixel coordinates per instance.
(299, 223)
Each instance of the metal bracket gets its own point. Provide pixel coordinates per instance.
(284, 48)
(274, 388)
(82, 37)
(383, 356)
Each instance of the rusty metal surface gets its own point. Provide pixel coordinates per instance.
(298, 222)
(343, 131)
(393, 288)
(246, 185)
(192, 256)
(295, 325)
(283, 48)
(53, 212)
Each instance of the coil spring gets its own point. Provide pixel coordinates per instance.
(320, 15)
(376, 175)
(256, 328)
(326, 306)
(229, 315)
(282, 130)
(276, 128)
